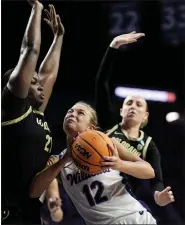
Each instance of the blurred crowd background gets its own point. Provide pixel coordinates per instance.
(157, 62)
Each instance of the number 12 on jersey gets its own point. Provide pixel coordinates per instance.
(97, 198)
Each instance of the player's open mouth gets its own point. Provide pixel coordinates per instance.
(131, 113)
(42, 96)
(69, 120)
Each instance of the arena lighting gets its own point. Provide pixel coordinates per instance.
(150, 95)
(172, 116)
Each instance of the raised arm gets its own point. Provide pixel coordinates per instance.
(103, 104)
(128, 163)
(104, 107)
(49, 67)
(20, 79)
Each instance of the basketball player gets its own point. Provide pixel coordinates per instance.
(134, 113)
(26, 137)
(101, 198)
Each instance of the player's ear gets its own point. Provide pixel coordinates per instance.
(121, 112)
(92, 127)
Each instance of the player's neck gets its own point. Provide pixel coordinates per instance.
(131, 132)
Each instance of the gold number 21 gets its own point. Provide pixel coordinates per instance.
(48, 144)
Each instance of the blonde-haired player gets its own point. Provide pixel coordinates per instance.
(101, 198)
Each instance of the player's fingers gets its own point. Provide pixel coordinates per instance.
(47, 21)
(138, 35)
(51, 203)
(172, 198)
(131, 41)
(58, 202)
(106, 167)
(54, 14)
(170, 192)
(167, 189)
(133, 32)
(51, 11)
(109, 158)
(113, 149)
(107, 163)
(47, 14)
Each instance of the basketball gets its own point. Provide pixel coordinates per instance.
(88, 149)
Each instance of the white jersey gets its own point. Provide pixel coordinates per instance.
(100, 198)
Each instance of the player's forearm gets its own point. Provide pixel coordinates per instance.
(102, 92)
(156, 185)
(50, 64)
(140, 169)
(32, 36)
(53, 190)
(43, 179)
(106, 65)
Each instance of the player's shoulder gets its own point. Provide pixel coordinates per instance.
(150, 144)
(13, 108)
(111, 131)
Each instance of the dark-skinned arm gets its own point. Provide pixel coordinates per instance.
(49, 67)
(20, 79)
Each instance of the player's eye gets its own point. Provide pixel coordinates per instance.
(33, 82)
(129, 102)
(70, 111)
(81, 113)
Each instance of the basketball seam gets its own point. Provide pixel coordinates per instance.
(91, 146)
(84, 160)
(105, 142)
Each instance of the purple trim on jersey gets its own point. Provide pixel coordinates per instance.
(61, 155)
(128, 188)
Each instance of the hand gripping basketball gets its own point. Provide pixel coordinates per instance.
(88, 149)
(112, 162)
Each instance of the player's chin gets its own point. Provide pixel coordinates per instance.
(70, 130)
(39, 103)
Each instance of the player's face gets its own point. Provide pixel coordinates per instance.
(36, 95)
(77, 120)
(134, 110)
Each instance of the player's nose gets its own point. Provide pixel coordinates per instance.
(40, 88)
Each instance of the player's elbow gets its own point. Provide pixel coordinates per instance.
(149, 172)
(34, 191)
(30, 49)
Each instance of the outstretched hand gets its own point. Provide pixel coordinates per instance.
(54, 21)
(126, 39)
(164, 197)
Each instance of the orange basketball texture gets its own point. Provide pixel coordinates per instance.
(88, 149)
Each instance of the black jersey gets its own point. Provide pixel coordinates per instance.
(138, 146)
(26, 147)
(143, 146)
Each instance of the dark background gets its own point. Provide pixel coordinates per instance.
(156, 62)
